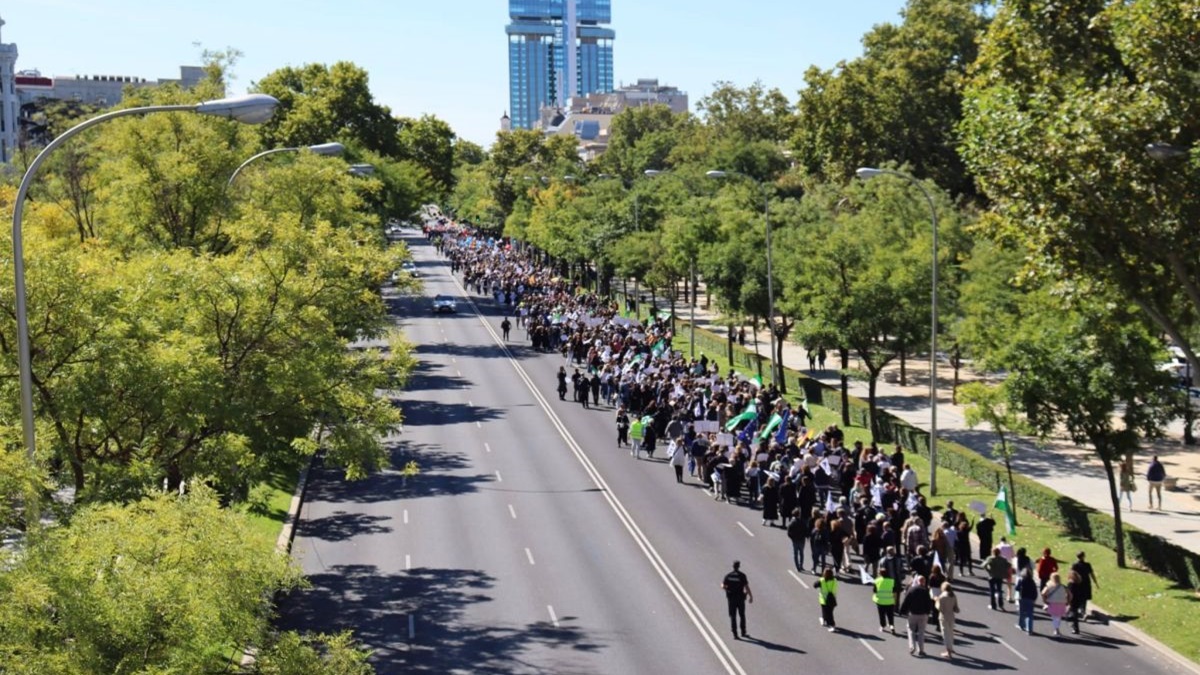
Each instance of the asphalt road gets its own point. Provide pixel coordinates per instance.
(530, 543)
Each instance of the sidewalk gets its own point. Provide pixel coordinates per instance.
(1059, 465)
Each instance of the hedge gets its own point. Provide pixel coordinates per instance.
(1151, 551)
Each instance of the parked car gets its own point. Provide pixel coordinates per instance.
(444, 303)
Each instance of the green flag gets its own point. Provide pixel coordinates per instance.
(748, 414)
(1010, 518)
(776, 420)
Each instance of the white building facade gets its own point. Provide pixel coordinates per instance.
(10, 106)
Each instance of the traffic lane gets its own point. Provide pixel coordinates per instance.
(360, 576)
(599, 575)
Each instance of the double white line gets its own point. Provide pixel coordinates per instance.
(728, 662)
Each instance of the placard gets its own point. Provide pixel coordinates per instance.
(708, 427)
(725, 440)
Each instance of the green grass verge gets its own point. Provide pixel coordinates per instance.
(1161, 608)
(269, 502)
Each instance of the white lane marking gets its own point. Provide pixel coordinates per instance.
(871, 649)
(1010, 648)
(498, 478)
(412, 626)
(745, 529)
(529, 554)
(478, 425)
(797, 578)
(553, 616)
(512, 512)
(470, 403)
(407, 561)
(453, 360)
(405, 516)
(711, 636)
(459, 373)
(487, 447)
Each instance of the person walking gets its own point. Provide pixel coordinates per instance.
(505, 327)
(827, 595)
(637, 431)
(947, 606)
(622, 427)
(1055, 597)
(1087, 577)
(1027, 595)
(916, 606)
(562, 383)
(1009, 554)
(1156, 473)
(770, 502)
(678, 457)
(737, 593)
(885, 601)
(1046, 566)
(997, 568)
(819, 543)
(797, 531)
(1128, 483)
(1075, 603)
(984, 530)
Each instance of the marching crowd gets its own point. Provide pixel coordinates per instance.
(849, 512)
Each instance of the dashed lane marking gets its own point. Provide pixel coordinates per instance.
(1010, 648)
(745, 529)
(499, 479)
(529, 554)
(512, 512)
(553, 616)
(405, 516)
(870, 648)
(797, 578)
(407, 561)
(487, 447)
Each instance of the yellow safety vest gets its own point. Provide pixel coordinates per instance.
(885, 591)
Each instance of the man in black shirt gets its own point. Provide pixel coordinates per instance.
(1087, 579)
(737, 592)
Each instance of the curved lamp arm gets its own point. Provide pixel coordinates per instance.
(250, 109)
(322, 149)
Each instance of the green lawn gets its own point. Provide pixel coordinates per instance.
(1159, 607)
(271, 500)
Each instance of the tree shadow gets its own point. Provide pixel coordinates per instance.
(342, 526)
(440, 475)
(419, 413)
(432, 603)
(490, 350)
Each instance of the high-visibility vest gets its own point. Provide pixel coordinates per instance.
(885, 591)
(635, 429)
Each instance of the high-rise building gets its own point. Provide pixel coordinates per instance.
(9, 107)
(557, 49)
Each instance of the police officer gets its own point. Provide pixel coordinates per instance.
(737, 592)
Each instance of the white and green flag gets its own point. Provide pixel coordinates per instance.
(1010, 518)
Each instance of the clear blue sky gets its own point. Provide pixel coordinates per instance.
(445, 58)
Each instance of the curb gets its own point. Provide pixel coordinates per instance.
(283, 544)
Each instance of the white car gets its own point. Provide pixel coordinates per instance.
(444, 303)
(410, 268)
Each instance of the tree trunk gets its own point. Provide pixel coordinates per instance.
(871, 409)
(903, 366)
(845, 354)
(1115, 497)
(957, 365)
(174, 477)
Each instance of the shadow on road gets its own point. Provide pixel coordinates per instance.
(382, 607)
(342, 526)
(435, 479)
(434, 413)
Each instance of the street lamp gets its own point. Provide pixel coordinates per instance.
(320, 149)
(770, 282)
(867, 173)
(361, 170)
(249, 109)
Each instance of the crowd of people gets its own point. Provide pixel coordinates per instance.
(849, 512)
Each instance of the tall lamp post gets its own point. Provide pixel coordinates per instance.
(249, 109)
(770, 281)
(326, 149)
(867, 173)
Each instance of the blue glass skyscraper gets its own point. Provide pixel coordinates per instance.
(556, 49)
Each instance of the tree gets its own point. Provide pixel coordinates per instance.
(992, 405)
(1085, 362)
(898, 102)
(320, 104)
(165, 584)
(429, 143)
(1062, 101)
(641, 138)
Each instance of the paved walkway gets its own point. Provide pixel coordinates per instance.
(1060, 465)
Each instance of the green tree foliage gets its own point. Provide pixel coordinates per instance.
(991, 404)
(1063, 100)
(320, 104)
(468, 153)
(429, 143)
(1085, 363)
(898, 102)
(294, 654)
(641, 138)
(165, 584)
